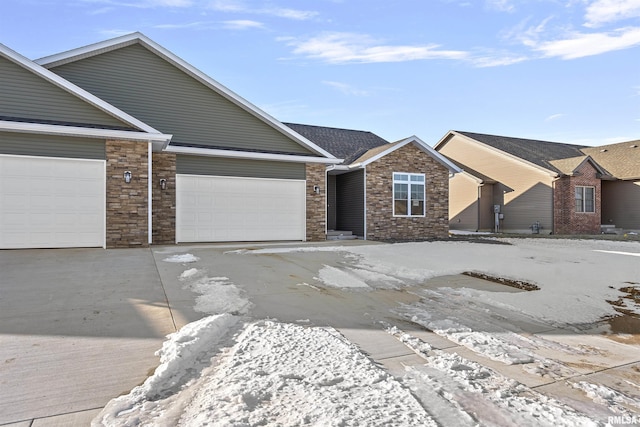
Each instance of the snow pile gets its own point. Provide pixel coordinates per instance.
(275, 374)
(182, 258)
(182, 357)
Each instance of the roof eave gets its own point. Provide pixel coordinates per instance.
(159, 139)
(250, 155)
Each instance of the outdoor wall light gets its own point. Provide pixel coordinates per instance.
(127, 176)
(163, 184)
(316, 189)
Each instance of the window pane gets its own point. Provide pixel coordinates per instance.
(400, 207)
(417, 192)
(417, 178)
(579, 199)
(589, 199)
(417, 207)
(401, 191)
(400, 177)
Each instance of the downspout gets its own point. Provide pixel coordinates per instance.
(149, 194)
(478, 207)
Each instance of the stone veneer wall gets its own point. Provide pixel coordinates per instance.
(164, 201)
(381, 224)
(566, 219)
(127, 222)
(316, 202)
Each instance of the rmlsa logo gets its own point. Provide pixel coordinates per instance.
(624, 420)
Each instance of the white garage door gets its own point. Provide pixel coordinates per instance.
(227, 209)
(51, 202)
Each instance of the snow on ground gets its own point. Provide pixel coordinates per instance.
(275, 374)
(230, 369)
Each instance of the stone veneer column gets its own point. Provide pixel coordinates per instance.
(127, 221)
(164, 201)
(316, 202)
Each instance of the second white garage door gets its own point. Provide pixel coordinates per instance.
(227, 209)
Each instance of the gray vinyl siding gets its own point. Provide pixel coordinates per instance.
(200, 165)
(350, 202)
(621, 204)
(151, 89)
(25, 95)
(23, 144)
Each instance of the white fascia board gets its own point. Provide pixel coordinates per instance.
(210, 152)
(193, 72)
(47, 129)
(69, 87)
(551, 173)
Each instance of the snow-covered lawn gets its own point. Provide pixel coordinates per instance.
(231, 369)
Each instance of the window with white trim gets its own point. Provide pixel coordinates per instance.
(408, 194)
(585, 199)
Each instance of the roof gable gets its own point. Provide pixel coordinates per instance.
(621, 160)
(345, 144)
(379, 152)
(143, 78)
(539, 153)
(30, 93)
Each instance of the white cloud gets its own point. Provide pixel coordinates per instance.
(242, 24)
(346, 88)
(604, 11)
(143, 4)
(554, 117)
(237, 6)
(578, 45)
(188, 25)
(351, 47)
(115, 32)
(501, 5)
(497, 60)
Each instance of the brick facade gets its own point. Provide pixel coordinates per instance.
(316, 202)
(127, 214)
(164, 201)
(566, 219)
(381, 224)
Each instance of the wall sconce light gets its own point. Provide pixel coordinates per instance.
(127, 176)
(163, 184)
(316, 189)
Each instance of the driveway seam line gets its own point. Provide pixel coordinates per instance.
(166, 297)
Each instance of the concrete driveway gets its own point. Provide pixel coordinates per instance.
(79, 327)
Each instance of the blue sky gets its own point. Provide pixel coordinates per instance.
(566, 71)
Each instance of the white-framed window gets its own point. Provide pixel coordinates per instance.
(408, 194)
(585, 199)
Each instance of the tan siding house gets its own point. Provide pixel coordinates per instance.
(541, 186)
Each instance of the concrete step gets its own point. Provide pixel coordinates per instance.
(340, 235)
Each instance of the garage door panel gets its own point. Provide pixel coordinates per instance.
(239, 209)
(51, 202)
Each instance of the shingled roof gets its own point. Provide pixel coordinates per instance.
(540, 153)
(343, 143)
(621, 160)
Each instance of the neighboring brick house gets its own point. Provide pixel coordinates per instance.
(562, 188)
(382, 190)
